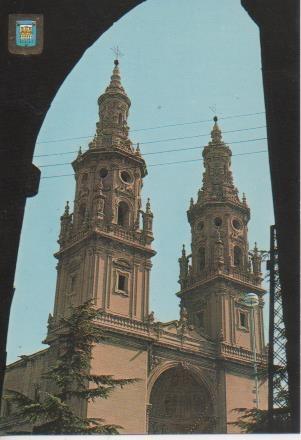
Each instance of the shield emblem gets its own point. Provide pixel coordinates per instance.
(26, 33)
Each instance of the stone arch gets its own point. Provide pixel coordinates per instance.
(123, 214)
(127, 214)
(181, 400)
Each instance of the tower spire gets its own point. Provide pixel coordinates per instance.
(109, 178)
(115, 83)
(112, 130)
(217, 178)
(216, 134)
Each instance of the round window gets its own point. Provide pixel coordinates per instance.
(218, 221)
(103, 172)
(126, 177)
(236, 223)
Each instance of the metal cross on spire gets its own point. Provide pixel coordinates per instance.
(213, 108)
(117, 52)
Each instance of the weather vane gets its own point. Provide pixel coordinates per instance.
(117, 52)
(213, 108)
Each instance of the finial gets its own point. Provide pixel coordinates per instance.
(191, 202)
(255, 248)
(183, 251)
(67, 208)
(244, 200)
(138, 148)
(148, 207)
(216, 134)
(79, 152)
(115, 78)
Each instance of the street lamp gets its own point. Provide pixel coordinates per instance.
(251, 300)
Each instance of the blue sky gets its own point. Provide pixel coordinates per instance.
(183, 62)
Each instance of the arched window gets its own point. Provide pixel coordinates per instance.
(202, 258)
(237, 256)
(179, 403)
(123, 214)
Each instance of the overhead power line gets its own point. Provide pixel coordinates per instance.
(157, 164)
(199, 135)
(153, 128)
(162, 140)
(163, 151)
(197, 122)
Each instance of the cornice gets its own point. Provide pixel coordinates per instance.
(221, 276)
(96, 234)
(109, 153)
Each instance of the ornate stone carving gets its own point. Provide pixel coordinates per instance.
(183, 262)
(220, 335)
(151, 318)
(122, 264)
(50, 322)
(155, 361)
(185, 365)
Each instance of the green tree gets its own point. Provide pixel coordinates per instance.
(253, 420)
(70, 376)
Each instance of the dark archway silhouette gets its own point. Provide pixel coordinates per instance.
(27, 90)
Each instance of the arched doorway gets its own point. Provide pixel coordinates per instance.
(180, 404)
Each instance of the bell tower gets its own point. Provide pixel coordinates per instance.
(105, 246)
(220, 268)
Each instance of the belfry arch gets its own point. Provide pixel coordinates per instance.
(180, 402)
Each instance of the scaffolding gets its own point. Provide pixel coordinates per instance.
(279, 415)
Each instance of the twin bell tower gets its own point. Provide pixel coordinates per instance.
(195, 370)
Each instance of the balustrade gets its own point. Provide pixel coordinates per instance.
(241, 353)
(232, 272)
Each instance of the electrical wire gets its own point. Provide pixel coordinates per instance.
(162, 151)
(199, 135)
(154, 128)
(156, 164)
(197, 122)
(162, 140)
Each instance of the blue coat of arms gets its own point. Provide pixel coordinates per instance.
(26, 33)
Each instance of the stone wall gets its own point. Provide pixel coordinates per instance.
(126, 406)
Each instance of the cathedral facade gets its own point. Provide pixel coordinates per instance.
(194, 371)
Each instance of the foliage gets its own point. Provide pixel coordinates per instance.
(256, 420)
(251, 420)
(70, 376)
